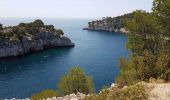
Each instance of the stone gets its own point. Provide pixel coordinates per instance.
(74, 99)
(19, 43)
(113, 85)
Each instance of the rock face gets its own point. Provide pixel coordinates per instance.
(19, 40)
(115, 24)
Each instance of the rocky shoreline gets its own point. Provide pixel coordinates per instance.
(30, 37)
(156, 91)
(109, 24)
(122, 30)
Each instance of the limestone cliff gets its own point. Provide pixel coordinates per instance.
(111, 24)
(30, 37)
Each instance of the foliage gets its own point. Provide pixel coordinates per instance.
(110, 22)
(76, 81)
(161, 8)
(142, 23)
(137, 46)
(15, 33)
(60, 31)
(36, 23)
(149, 41)
(143, 67)
(163, 65)
(45, 94)
(144, 29)
(128, 72)
(135, 92)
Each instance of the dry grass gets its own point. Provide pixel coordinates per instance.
(159, 91)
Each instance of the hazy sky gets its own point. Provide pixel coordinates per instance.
(70, 8)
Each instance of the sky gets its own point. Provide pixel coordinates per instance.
(71, 8)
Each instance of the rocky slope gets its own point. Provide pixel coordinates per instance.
(111, 24)
(30, 37)
(159, 91)
(156, 91)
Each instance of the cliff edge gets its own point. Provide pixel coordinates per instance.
(111, 24)
(30, 37)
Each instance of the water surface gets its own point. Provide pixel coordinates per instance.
(97, 53)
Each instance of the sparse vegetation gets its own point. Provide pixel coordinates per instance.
(45, 94)
(135, 92)
(15, 33)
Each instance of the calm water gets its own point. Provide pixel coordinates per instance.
(97, 53)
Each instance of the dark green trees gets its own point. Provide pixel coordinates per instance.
(161, 8)
(149, 41)
(60, 31)
(76, 81)
(38, 23)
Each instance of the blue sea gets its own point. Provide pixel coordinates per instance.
(97, 53)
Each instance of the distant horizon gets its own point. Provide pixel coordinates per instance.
(74, 9)
(66, 17)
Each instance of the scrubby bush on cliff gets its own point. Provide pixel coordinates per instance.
(37, 23)
(60, 31)
(45, 94)
(135, 92)
(76, 81)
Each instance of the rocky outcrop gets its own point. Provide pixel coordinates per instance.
(115, 24)
(155, 91)
(78, 96)
(31, 37)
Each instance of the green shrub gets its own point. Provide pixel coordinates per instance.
(37, 23)
(128, 73)
(60, 31)
(45, 94)
(76, 81)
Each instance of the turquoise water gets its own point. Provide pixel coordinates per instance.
(97, 53)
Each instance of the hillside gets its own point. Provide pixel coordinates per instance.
(30, 37)
(151, 91)
(111, 24)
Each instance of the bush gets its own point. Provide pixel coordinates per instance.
(135, 92)
(128, 73)
(60, 31)
(76, 81)
(45, 94)
(37, 23)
